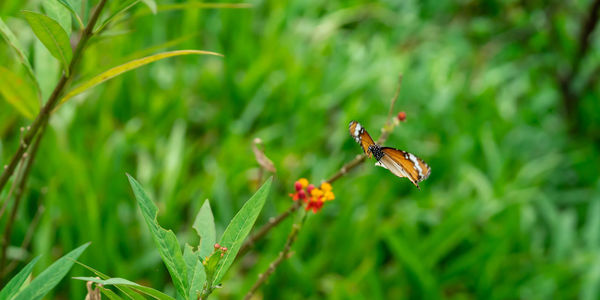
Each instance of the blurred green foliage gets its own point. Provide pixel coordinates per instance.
(501, 101)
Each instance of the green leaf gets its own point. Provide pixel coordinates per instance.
(50, 277)
(239, 227)
(73, 12)
(52, 35)
(13, 286)
(124, 282)
(125, 290)
(110, 294)
(12, 41)
(151, 5)
(195, 268)
(134, 64)
(18, 93)
(205, 227)
(59, 13)
(165, 240)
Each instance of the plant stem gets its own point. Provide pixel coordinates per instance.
(20, 190)
(44, 114)
(282, 256)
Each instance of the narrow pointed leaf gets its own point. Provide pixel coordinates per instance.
(134, 64)
(205, 227)
(13, 286)
(124, 282)
(50, 277)
(165, 240)
(125, 290)
(239, 227)
(52, 35)
(12, 41)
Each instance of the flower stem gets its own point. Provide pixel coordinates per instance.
(280, 258)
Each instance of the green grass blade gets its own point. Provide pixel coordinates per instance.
(165, 240)
(415, 268)
(205, 227)
(12, 41)
(50, 277)
(239, 227)
(134, 64)
(52, 35)
(124, 282)
(13, 286)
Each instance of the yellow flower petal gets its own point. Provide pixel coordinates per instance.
(303, 182)
(325, 186)
(316, 192)
(329, 196)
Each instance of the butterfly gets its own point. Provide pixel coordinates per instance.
(401, 163)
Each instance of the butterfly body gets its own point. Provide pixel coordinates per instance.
(400, 163)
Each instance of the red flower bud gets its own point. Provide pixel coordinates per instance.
(217, 246)
(310, 188)
(401, 116)
(224, 249)
(301, 194)
(298, 186)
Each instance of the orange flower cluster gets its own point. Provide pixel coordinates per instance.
(312, 196)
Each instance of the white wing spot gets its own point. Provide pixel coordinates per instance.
(357, 130)
(415, 161)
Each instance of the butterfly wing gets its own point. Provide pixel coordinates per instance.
(404, 164)
(361, 136)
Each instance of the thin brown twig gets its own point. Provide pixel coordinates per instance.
(44, 114)
(280, 258)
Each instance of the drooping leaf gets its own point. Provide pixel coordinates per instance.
(50, 277)
(12, 41)
(124, 282)
(52, 35)
(165, 240)
(18, 93)
(205, 227)
(13, 286)
(126, 290)
(239, 227)
(104, 76)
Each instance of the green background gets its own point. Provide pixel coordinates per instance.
(512, 206)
